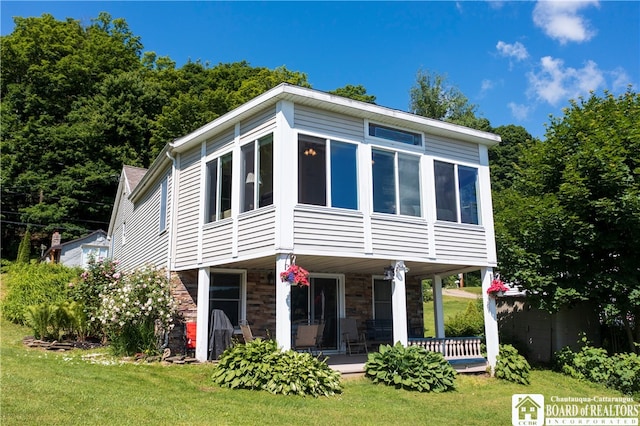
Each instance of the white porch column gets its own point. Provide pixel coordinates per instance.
(283, 304)
(490, 318)
(438, 309)
(202, 321)
(399, 304)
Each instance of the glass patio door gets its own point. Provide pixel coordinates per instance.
(316, 304)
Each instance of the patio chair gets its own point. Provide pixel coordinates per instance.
(247, 335)
(306, 337)
(354, 341)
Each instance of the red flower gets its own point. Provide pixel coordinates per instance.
(497, 286)
(295, 275)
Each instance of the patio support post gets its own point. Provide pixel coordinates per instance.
(399, 304)
(283, 304)
(438, 309)
(490, 319)
(202, 327)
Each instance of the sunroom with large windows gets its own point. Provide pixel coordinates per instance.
(456, 202)
(396, 183)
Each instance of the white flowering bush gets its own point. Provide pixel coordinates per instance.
(136, 310)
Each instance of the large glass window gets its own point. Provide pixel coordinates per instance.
(456, 203)
(219, 174)
(225, 294)
(396, 183)
(318, 158)
(257, 188)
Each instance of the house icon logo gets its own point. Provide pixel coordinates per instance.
(527, 410)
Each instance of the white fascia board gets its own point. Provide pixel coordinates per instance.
(338, 104)
(117, 203)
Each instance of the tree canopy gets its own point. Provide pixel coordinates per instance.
(78, 102)
(569, 227)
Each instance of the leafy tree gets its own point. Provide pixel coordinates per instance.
(432, 96)
(359, 93)
(569, 228)
(24, 250)
(504, 158)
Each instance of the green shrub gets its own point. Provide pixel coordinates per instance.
(55, 321)
(589, 363)
(261, 365)
(34, 284)
(470, 322)
(512, 366)
(625, 374)
(412, 368)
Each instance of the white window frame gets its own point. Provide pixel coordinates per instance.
(207, 194)
(396, 174)
(457, 193)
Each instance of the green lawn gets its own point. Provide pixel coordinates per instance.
(451, 306)
(44, 388)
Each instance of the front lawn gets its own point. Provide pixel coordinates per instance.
(48, 388)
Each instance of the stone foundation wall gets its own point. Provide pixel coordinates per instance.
(261, 303)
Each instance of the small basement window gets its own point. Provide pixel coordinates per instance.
(395, 135)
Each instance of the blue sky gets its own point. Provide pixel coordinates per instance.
(517, 61)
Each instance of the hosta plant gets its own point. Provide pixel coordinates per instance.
(512, 366)
(261, 365)
(412, 368)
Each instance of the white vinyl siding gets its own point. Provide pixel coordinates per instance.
(256, 231)
(453, 150)
(328, 231)
(329, 123)
(188, 210)
(460, 243)
(217, 242)
(398, 237)
(264, 121)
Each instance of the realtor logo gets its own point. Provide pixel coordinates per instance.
(527, 410)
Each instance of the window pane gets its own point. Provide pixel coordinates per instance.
(212, 191)
(312, 176)
(248, 176)
(445, 192)
(344, 176)
(225, 187)
(265, 188)
(396, 135)
(163, 205)
(382, 299)
(468, 184)
(409, 176)
(384, 182)
(224, 293)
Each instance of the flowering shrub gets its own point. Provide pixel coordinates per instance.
(99, 276)
(295, 275)
(135, 310)
(497, 286)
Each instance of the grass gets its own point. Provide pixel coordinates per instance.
(47, 388)
(451, 305)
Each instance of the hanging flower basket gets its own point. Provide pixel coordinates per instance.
(295, 275)
(497, 288)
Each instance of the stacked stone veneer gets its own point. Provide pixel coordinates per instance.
(261, 302)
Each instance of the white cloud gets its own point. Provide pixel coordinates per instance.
(561, 20)
(515, 50)
(519, 111)
(555, 83)
(621, 80)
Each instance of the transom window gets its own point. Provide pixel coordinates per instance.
(219, 173)
(456, 193)
(395, 135)
(396, 183)
(257, 174)
(327, 173)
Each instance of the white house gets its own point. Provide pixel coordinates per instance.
(78, 252)
(345, 188)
